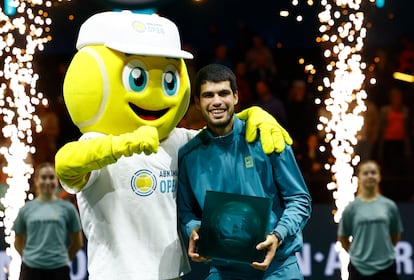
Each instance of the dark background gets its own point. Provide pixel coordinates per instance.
(205, 23)
(232, 21)
(193, 19)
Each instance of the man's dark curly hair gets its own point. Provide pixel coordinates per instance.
(214, 73)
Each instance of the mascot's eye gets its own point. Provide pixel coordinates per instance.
(170, 81)
(137, 79)
(134, 76)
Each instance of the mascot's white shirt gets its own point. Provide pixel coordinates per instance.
(128, 213)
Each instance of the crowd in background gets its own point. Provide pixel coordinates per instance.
(266, 80)
(388, 129)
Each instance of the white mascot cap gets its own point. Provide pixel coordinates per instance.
(133, 33)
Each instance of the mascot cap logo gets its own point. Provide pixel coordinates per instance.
(147, 34)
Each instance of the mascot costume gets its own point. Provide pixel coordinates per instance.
(126, 89)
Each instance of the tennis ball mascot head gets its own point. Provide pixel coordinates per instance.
(128, 82)
(129, 72)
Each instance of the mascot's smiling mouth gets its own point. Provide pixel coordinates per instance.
(147, 115)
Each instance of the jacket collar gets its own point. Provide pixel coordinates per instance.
(238, 128)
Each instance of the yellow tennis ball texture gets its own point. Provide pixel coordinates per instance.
(111, 92)
(144, 182)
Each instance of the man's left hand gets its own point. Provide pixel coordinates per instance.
(270, 244)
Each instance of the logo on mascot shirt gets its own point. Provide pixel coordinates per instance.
(143, 182)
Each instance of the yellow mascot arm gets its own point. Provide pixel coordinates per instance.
(75, 160)
(272, 134)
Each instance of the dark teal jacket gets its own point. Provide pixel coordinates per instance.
(230, 164)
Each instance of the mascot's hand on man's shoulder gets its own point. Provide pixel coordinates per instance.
(273, 136)
(75, 160)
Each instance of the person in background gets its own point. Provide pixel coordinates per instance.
(221, 55)
(43, 226)
(257, 51)
(260, 62)
(46, 141)
(368, 135)
(246, 96)
(311, 160)
(374, 223)
(406, 56)
(220, 159)
(301, 113)
(394, 135)
(270, 102)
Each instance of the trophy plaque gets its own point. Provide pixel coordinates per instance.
(232, 225)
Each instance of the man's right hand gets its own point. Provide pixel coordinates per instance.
(192, 247)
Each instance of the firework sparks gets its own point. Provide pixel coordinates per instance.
(22, 36)
(343, 31)
(342, 37)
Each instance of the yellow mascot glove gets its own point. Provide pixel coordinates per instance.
(144, 139)
(273, 136)
(75, 160)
